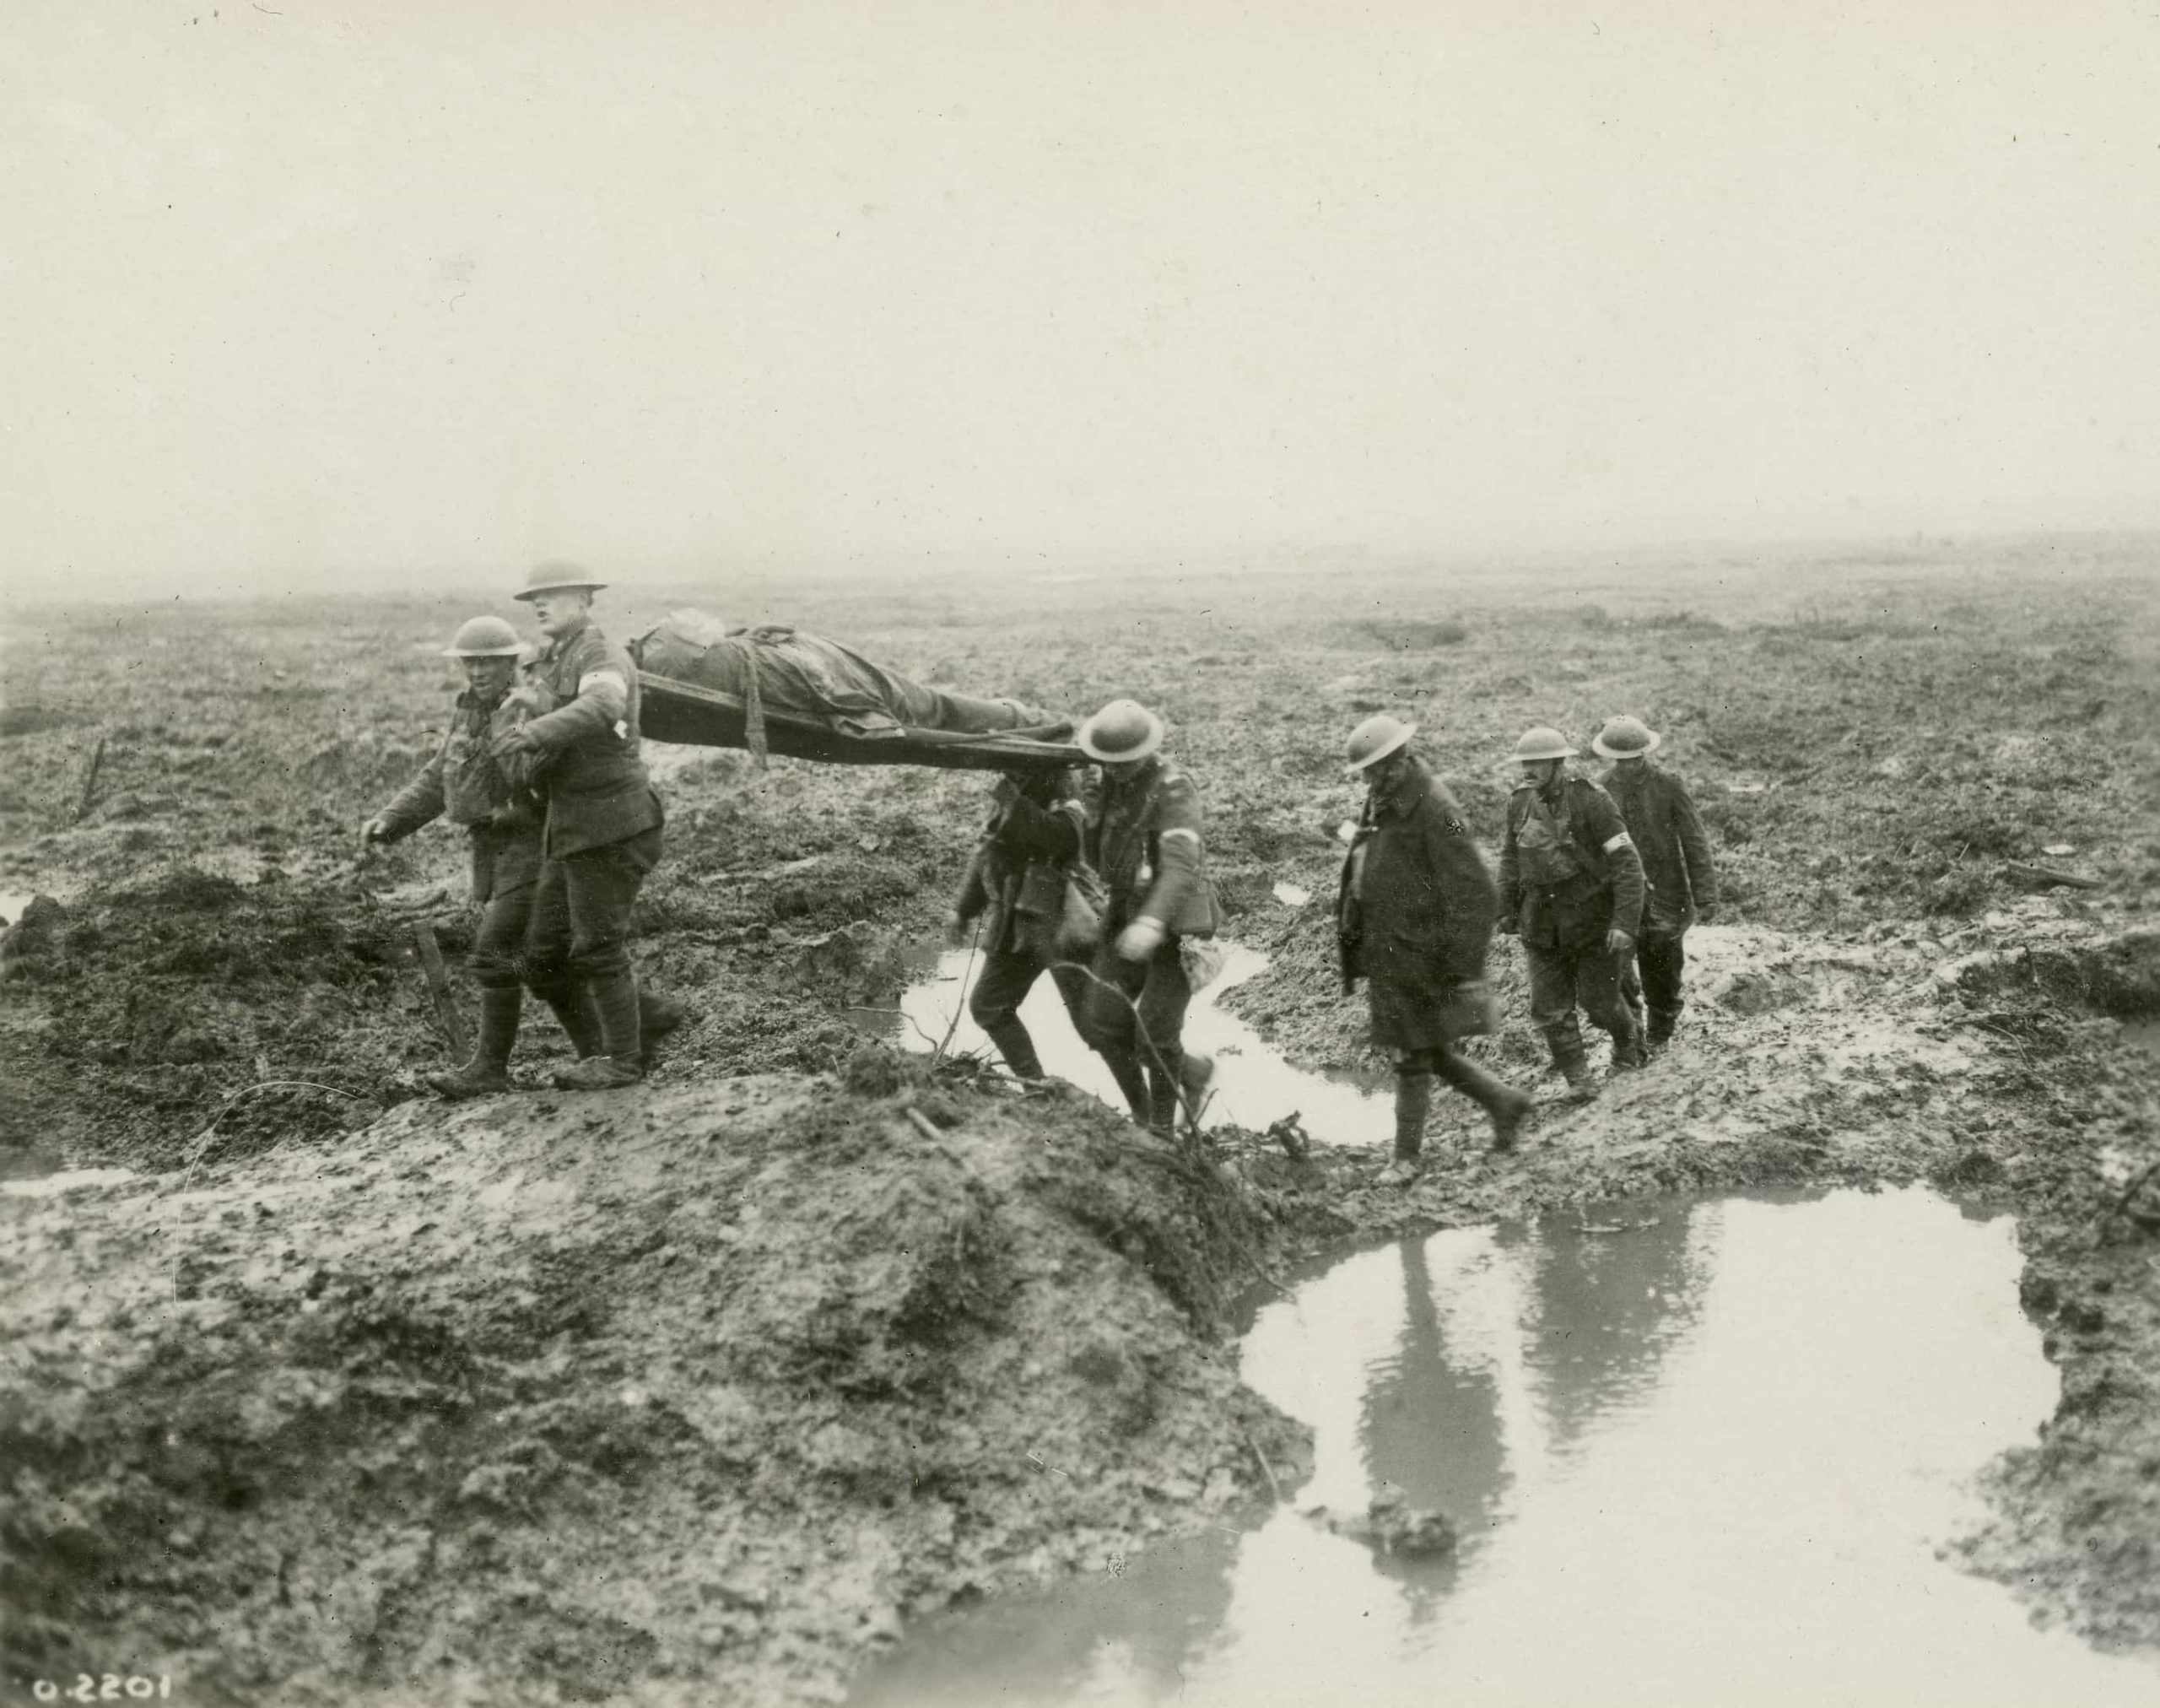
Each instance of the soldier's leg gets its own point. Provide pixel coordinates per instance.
(496, 962)
(1165, 994)
(1663, 960)
(1413, 1103)
(1000, 987)
(1552, 1012)
(602, 885)
(1631, 984)
(1109, 1027)
(1597, 988)
(547, 961)
(1504, 1106)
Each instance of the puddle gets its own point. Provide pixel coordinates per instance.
(1707, 1461)
(1254, 1086)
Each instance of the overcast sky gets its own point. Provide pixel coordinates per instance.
(317, 289)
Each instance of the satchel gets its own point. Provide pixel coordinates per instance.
(1203, 959)
(1086, 899)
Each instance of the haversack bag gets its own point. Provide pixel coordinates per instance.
(1086, 899)
(1203, 958)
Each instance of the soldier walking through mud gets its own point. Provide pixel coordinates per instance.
(1414, 918)
(601, 832)
(1021, 900)
(1681, 880)
(1143, 836)
(1571, 884)
(465, 783)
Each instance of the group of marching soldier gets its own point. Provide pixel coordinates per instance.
(1104, 888)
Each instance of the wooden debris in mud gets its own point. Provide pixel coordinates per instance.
(2047, 877)
(453, 1023)
(88, 795)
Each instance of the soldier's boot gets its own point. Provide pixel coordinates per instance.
(488, 1070)
(1010, 1036)
(1565, 1041)
(657, 1017)
(1196, 1074)
(1131, 1082)
(1413, 1103)
(1660, 1031)
(1505, 1107)
(1162, 1101)
(576, 1013)
(1172, 1095)
(1628, 1050)
(621, 1046)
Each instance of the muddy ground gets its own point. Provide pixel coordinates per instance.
(349, 1395)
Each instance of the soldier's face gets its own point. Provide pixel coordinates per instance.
(560, 610)
(1542, 772)
(489, 678)
(1118, 770)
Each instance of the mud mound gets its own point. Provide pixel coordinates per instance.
(677, 1395)
(158, 1001)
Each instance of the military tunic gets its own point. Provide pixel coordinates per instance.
(1568, 874)
(603, 820)
(1415, 915)
(1142, 833)
(465, 783)
(1677, 865)
(1020, 897)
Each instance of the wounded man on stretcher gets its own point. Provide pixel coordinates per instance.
(787, 670)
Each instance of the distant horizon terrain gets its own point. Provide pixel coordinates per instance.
(1823, 559)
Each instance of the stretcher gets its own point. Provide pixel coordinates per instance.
(683, 712)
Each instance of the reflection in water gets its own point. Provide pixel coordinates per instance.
(1705, 1461)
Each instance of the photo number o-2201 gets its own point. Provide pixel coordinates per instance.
(110, 1688)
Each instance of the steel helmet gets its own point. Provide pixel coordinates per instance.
(1122, 731)
(484, 637)
(1625, 739)
(1374, 739)
(1542, 743)
(555, 575)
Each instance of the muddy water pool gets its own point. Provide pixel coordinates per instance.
(1708, 1458)
(1254, 1087)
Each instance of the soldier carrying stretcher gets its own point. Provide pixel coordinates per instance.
(465, 782)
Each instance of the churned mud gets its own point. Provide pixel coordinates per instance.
(681, 1395)
(315, 1388)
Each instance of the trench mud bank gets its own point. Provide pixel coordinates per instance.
(680, 1395)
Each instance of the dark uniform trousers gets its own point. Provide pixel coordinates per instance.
(1662, 957)
(1564, 973)
(1134, 1018)
(1003, 985)
(579, 923)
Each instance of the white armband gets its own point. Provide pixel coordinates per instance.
(608, 688)
(1193, 836)
(1621, 841)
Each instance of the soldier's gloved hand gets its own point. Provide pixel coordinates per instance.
(373, 832)
(956, 930)
(1617, 941)
(512, 742)
(1140, 939)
